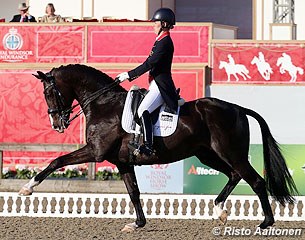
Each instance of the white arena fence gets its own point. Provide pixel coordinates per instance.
(168, 206)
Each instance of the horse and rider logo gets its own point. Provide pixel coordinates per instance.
(263, 67)
(284, 63)
(233, 69)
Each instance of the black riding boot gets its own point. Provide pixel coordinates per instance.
(147, 147)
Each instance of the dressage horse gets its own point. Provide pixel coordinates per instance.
(215, 131)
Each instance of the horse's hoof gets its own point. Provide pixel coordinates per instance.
(266, 223)
(223, 217)
(25, 192)
(131, 227)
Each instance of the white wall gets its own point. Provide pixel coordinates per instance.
(121, 9)
(9, 9)
(67, 8)
(93, 8)
(281, 106)
(264, 16)
(300, 18)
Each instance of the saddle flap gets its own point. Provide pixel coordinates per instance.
(164, 121)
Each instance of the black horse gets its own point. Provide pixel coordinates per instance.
(215, 131)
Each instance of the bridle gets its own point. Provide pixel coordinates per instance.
(64, 112)
(61, 110)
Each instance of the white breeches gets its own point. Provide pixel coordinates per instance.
(152, 100)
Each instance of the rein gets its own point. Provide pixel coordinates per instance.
(88, 100)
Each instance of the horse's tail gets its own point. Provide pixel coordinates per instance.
(278, 178)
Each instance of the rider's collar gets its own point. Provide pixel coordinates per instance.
(162, 35)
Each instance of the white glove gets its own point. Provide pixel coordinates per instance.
(123, 76)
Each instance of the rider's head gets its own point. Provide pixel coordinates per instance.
(166, 18)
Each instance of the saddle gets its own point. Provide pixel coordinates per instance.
(164, 120)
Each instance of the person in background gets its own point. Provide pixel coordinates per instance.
(50, 16)
(162, 88)
(24, 15)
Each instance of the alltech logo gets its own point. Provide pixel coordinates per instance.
(202, 171)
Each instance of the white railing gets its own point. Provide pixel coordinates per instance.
(154, 206)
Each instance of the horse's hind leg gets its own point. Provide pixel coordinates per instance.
(230, 137)
(258, 185)
(236, 77)
(236, 154)
(129, 177)
(79, 156)
(211, 159)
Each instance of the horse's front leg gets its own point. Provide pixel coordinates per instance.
(229, 77)
(79, 156)
(129, 177)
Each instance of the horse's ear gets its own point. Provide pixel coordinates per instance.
(40, 76)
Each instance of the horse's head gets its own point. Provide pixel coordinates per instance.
(254, 60)
(222, 64)
(279, 61)
(58, 109)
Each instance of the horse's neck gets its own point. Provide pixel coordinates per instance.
(106, 103)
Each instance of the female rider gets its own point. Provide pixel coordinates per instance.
(162, 88)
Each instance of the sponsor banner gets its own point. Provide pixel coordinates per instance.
(260, 63)
(295, 158)
(160, 178)
(129, 43)
(200, 179)
(44, 44)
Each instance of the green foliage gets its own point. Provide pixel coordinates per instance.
(106, 175)
(63, 173)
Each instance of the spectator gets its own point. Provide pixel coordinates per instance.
(50, 16)
(24, 16)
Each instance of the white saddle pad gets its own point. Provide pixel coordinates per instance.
(165, 125)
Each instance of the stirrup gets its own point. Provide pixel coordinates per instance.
(146, 150)
(134, 148)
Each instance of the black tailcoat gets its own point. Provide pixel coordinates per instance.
(159, 63)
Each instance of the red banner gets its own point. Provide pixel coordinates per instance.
(260, 63)
(190, 81)
(106, 43)
(126, 44)
(23, 116)
(33, 44)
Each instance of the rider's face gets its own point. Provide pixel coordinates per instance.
(157, 27)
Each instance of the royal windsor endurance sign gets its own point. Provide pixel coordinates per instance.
(38, 44)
